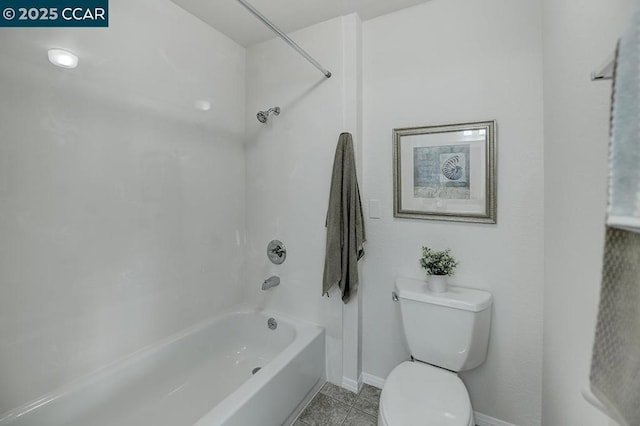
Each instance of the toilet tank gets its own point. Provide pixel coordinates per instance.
(450, 329)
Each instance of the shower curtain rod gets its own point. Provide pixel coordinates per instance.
(285, 37)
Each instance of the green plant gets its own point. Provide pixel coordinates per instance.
(438, 262)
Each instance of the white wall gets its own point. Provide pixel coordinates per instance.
(289, 165)
(450, 61)
(578, 37)
(121, 206)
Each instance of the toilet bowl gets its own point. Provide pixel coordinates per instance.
(446, 332)
(418, 394)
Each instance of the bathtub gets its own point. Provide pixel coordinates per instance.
(231, 370)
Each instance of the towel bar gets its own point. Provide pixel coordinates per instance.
(605, 71)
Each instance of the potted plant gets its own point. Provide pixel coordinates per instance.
(439, 265)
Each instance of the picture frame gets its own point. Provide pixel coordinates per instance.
(446, 172)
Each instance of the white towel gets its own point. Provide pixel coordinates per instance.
(624, 165)
(615, 363)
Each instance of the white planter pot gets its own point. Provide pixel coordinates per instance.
(438, 283)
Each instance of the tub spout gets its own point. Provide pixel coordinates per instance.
(270, 282)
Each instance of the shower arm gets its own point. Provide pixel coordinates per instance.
(285, 37)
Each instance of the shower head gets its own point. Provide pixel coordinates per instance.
(263, 116)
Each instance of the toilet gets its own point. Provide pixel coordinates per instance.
(446, 333)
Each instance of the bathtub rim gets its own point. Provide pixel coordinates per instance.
(301, 327)
(306, 333)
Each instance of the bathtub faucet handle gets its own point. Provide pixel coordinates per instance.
(277, 252)
(271, 282)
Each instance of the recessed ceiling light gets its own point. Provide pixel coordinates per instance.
(202, 105)
(63, 58)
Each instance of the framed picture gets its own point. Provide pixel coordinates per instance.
(446, 172)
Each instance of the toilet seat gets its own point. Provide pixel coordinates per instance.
(417, 394)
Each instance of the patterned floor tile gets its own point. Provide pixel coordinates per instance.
(367, 406)
(370, 393)
(339, 393)
(324, 411)
(358, 418)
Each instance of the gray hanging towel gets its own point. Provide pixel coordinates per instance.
(615, 363)
(345, 223)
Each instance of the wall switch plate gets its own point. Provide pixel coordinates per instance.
(374, 209)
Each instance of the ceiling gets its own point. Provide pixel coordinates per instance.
(232, 19)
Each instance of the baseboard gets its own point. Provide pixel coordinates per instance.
(484, 420)
(352, 385)
(372, 380)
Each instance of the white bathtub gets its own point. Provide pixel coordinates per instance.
(203, 376)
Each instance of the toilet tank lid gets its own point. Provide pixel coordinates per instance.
(467, 299)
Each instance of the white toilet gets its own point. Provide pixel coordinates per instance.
(446, 332)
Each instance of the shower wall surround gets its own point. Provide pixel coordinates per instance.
(121, 205)
(289, 164)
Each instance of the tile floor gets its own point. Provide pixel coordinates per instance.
(334, 406)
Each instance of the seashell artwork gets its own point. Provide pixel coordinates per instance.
(452, 169)
(446, 172)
